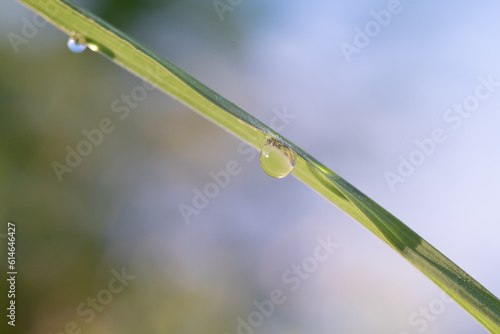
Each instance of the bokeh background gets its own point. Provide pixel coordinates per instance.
(120, 207)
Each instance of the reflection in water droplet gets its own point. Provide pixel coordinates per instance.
(277, 159)
(77, 43)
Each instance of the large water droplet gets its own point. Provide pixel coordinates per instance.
(277, 158)
(77, 43)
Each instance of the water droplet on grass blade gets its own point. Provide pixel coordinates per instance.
(277, 159)
(93, 47)
(77, 43)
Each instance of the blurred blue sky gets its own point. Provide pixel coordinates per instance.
(356, 117)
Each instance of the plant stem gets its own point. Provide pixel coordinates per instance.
(144, 63)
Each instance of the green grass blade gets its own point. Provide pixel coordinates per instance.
(129, 54)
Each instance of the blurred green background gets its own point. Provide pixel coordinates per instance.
(119, 208)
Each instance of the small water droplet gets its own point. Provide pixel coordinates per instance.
(77, 43)
(93, 47)
(277, 159)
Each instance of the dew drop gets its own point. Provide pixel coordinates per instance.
(277, 159)
(93, 47)
(77, 44)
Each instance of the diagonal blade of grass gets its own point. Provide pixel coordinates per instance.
(129, 54)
